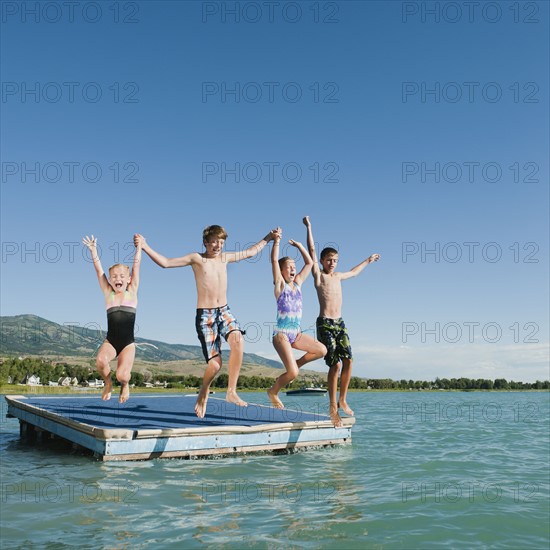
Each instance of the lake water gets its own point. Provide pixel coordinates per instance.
(425, 470)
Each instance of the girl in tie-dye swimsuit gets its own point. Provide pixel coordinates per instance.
(289, 312)
(287, 335)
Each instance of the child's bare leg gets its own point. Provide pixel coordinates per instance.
(124, 371)
(273, 395)
(313, 348)
(344, 384)
(212, 368)
(105, 355)
(332, 383)
(284, 349)
(236, 346)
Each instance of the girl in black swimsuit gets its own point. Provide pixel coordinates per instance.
(120, 292)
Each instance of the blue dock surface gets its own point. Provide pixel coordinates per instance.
(148, 426)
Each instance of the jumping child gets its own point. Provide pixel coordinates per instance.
(213, 319)
(331, 329)
(120, 292)
(287, 334)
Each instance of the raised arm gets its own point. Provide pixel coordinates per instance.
(159, 259)
(312, 252)
(134, 283)
(353, 272)
(278, 280)
(308, 262)
(91, 244)
(251, 251)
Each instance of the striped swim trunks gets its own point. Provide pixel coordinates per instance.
(212, 324)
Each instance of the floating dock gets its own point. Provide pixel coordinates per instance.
(147, 427)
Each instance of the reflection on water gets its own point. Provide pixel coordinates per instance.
(425, 470)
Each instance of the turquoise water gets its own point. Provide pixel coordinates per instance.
(425, 470)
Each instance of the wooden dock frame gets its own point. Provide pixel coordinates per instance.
(135, 443)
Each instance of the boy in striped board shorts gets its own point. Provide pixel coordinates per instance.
(213, 319)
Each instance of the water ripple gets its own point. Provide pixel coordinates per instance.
(442, 470)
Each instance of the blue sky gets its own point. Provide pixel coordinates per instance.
(399, 129)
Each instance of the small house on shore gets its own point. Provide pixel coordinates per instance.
(32, 380)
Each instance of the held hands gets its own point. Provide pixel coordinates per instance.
(139, 240)
(275, 234)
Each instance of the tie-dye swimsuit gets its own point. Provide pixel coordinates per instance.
(120, 321)
(289, 312)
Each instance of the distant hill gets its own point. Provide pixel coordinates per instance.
(33, 335)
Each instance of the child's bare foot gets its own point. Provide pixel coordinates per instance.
(335, 417)
(124, 393)
(200, 405)
(232, 397)
(274, 398)
(107, 390)
(345, 407)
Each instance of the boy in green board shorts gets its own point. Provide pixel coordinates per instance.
(331, 330)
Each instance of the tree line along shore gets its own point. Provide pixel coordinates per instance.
(36, 372)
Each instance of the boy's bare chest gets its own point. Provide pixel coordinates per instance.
(330, 285)
(211, 270)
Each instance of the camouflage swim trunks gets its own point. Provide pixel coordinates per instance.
(333, 333)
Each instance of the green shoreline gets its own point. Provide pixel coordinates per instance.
(10, 389)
